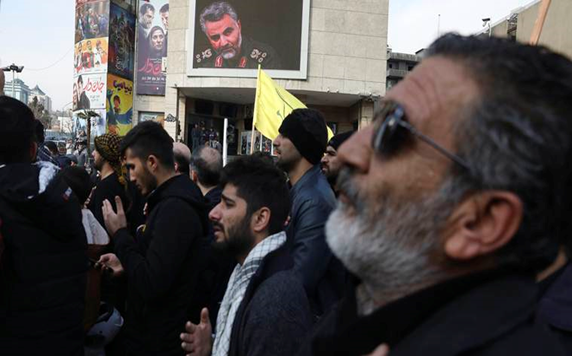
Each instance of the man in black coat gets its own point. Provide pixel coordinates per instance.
(299, 147)
(43, 260)
(451, 202)
(265, 310)
(161, 264)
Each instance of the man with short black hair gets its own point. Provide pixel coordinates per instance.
(161, 264)
(265, 310)
(299, 147)
(451, 203)
(330, 163)
(43, 260)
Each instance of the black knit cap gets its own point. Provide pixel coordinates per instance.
(337, 140)
(306, 128)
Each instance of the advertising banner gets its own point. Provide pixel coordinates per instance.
(91, 20)
(121, 42)
(152, 116)
(90, 56)
(97, 124)
(232, 38)
(119, 105)
(89, 91)
(152, 38)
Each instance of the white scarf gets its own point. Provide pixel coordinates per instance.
(236, 288)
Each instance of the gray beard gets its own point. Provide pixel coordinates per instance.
(389, 247)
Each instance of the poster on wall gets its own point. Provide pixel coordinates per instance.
(232, 38)
(121, 42)
(97, 124)
(152, 116)
(119, 105)
(152, 39)
(91, 20)
(89, 91)
(90, 56)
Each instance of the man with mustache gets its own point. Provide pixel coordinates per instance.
(451, 202)
(161, 265)
(228, 47)
(264, 310)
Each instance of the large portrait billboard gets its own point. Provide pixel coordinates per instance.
(89, 91)
(119, 105)
(121, 42)
(152, 38)
(90, 56)
(232, 38)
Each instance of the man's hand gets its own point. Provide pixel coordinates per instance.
(111, 262)
(113, 221)
(382, 350)
(197, 341)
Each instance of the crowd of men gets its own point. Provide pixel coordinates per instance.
(442, 228)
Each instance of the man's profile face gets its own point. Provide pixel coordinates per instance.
(288, 155)
(225, 36)
(97, 160)
(147, 18)
(394, 212)
(157, 40)
(330, 163)
(139, 173)
(231, 226)
(165, 19)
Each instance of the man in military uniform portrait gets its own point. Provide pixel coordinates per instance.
(228, 47)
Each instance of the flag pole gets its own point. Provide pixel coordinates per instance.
(225, 142)
(539, 24)
(255, 114)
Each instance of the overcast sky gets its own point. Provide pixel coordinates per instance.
(40, 33)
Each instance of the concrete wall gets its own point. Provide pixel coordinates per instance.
(557, 31)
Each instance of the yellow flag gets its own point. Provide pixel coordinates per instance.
(272, 104)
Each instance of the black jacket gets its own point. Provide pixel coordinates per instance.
(161, 266)
(490, 313)
(274, 316)
(555, 305)
(43, 266)
(107, 189)
(323, 276)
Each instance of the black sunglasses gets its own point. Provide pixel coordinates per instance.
(388, 138)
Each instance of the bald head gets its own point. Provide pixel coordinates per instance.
(182, 158)
(207, 164)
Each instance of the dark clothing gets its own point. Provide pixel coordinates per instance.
(252, 53)
(555, 305)
(490, 313)
(161, 267)
(274, 316)
(45, 155)
(323, 276)
(107, 189)
(83, 102)
(43, 264)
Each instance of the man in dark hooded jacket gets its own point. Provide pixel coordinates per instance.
(43, 259)
(161, 264)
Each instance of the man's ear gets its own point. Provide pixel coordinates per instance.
(152, 163)
(194, 176)
(177, 167)
(261, 220)
(482, 224)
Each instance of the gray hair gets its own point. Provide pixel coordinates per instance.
(215, 11)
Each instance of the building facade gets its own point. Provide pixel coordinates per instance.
(342, 70)
(43, 99)
(398, 65)
(21, 90)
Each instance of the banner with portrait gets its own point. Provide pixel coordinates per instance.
(152, 39)
(89, 91)
(91, 56)
(119, 105)
(121, 42)
(232, 38)
(91, 20)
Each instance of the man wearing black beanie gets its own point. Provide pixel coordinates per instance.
(300, 147)
(330, 164)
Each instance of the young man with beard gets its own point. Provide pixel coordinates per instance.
(299, 147)
(43, 261)
(264, 310)
(161, 263)
(330, 162)
(451, 202)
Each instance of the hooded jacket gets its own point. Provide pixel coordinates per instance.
(43, 263)
(161, 266)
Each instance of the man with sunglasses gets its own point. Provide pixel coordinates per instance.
(451, 202)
